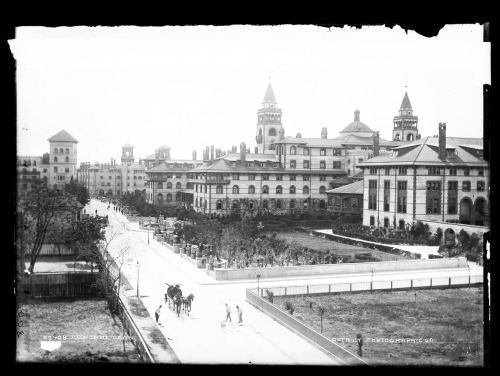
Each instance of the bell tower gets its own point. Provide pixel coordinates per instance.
(268, 122)
(405, 123)
(127, 154)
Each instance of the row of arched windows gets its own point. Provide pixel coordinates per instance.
(169, 185)
(265, 189)
(169, 196)
(265, 204)
(65, 159)
(61, 151)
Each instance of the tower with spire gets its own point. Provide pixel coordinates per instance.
(268, 122)
(405, 123)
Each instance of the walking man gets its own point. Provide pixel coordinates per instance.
(157, 314)
(228, 313)
(240, 315)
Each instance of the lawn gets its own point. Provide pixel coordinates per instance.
(336, 248)
(450, 319)
(77, 319)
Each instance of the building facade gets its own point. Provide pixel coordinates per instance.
(439, 179)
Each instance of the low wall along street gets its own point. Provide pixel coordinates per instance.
(344, 356)
(315, 270)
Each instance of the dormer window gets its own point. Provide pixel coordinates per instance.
(233, 164)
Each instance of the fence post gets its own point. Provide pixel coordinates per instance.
(350, 286)
(431, 284)
(307, 289)
(329, 288)
(285, 291)
(411, 286)
(449, 282)
(391, 285)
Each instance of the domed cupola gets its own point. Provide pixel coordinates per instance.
(357, 127)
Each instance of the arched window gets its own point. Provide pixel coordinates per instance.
(61, 151)
(219, 189)
(265, 189)
(251, 190)
(322, 151)
(66, 159)
(305, 190)
(322, 189)
(292, 189)
(140, 177)
(265, 204)
(169, 185)
(55, 159)
(219, 205)
(279, 190)
(67, 151)
(293, 150)
(55, 150)
(160, 197)
(169, 197)
(322, 204)
(306, 151)
(272, 132)
(235, 204)
(178, 186)
(292, 204)
(236, 189)
(251, 205)
(160, 184)
(135, 177)
(409, 137)
(178, 196)
(278, 204)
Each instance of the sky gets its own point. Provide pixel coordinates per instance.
(194, 86)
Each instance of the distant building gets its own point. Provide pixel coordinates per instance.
(346, 199)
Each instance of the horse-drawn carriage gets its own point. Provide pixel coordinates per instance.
(174, 296)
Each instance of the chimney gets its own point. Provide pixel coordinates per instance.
(243, 152)
(299, 135)
(212, 153)
(281, 134)
(207, 153)
(442, 141)
(376, 143)
(356, 115)
(324, 132)
(194, 155)
(157, 158)
(256, 150)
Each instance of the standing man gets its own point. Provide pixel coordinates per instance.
(240, 315)
(228, 313)
(157, 314)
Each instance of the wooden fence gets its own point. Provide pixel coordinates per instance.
(60, 285)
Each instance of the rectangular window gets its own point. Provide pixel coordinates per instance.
(372, 220)
(66, 169)
(336, 165)
(466, 186)
(387, 170)
(251, 176)
(279, 177)
(178, 176)
(293, 177)
(322, 164)
(480, 171)
(322, 178)
(55, 169)
(452, 205)
(305, 177)
(386, 222)
(373, 171)
(402, 195)
(453, 171)
(265, 176)
(236, 177)
(434, 170)
(102, 178)
(337, 152)
(466, 171)
(293, 164)
(387, 187)
(402, 170)
(433, 197)
(372, 194)
(306, 164)
(480, 185)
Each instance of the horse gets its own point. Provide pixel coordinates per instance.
(171, 292)
(177, 302)
(186, 303)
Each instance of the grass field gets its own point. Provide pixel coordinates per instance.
(452, 318)
(336, 248)
(72, 318)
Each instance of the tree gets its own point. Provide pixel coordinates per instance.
(78, 190)
(84, 237)
(47, 212)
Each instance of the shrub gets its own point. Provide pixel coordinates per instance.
(270, 295)
(289, 307)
